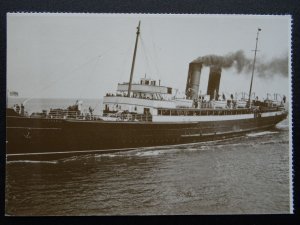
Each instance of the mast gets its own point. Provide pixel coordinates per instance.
(254, 60)
(133, 60)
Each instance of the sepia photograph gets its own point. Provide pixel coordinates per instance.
(148, 114)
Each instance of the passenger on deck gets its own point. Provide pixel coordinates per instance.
(91, 110)
(22, 110)
(196, 104)
(18, 109)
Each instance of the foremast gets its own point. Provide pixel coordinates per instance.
(253, 67)
(133, 59)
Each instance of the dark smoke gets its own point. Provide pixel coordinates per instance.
(238, 60)
(275, 66)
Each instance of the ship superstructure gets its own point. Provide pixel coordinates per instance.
(149, 101)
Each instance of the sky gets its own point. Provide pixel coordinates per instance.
(87, 55)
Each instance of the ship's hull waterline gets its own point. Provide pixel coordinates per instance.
(36, 138)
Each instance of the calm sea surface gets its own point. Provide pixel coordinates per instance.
(249, 174)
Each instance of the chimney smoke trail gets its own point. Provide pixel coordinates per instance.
(238, 60)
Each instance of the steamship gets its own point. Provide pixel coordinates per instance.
(142, 114)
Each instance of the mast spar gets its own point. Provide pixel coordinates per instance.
(133, 59)
(254, 60)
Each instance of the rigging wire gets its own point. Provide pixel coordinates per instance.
(43, 89)
(91, 74)
(152, 59)
(155, 52)
(54, 74)
(65, 59)
(80, 44)
(125, 64)
(59, 79)
(145, 55)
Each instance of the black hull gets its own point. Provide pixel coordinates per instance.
(29, 138)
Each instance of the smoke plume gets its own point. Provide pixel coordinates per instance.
(238, 60)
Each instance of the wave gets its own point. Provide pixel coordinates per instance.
(69, 159)
(262, 133)
(76, 158)
(167, 149)
(239, 141)
(109, 155)
(274, 142)
(282, 126)
(149, 153)
(32, 161)
(173, 149)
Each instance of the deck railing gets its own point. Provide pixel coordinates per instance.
(128, 117)
(71, 115)
(62, 114)
(109, 116)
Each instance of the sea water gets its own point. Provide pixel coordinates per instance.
(248, 174)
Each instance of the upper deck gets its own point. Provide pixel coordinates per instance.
(146, 85)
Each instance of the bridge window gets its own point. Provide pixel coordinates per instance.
(190, 113)
(166, 112)
(173, 112)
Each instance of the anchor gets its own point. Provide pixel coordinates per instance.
(28, 134)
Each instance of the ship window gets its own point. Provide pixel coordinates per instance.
(153, 83)
(146, 111)
(169, 90)
(189, 113)
(167, 112)
(173, 112)
(147, 82)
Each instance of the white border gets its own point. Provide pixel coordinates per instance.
(291, 191)
(291, 119)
